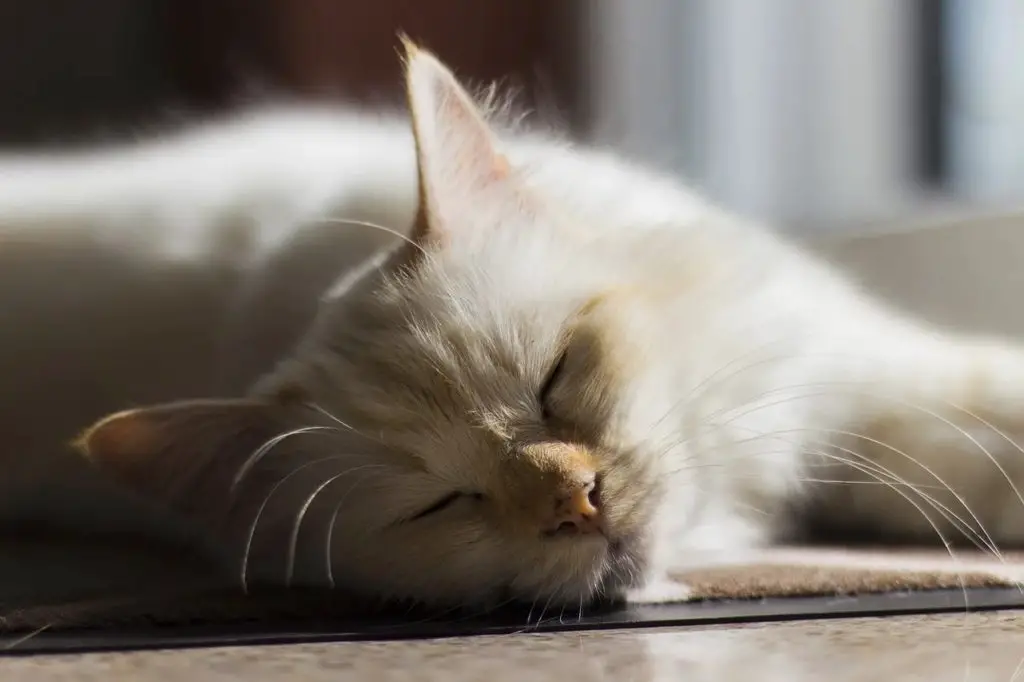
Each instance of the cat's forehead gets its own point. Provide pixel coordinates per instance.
(495, 311)
(537, 269)
(476, 329)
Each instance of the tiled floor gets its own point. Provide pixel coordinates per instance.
(958, 648)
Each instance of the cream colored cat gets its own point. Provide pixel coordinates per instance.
(572, 378)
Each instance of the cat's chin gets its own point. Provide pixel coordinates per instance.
(616, 570)
(622, 569)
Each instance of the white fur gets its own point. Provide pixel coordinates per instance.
(737, 358)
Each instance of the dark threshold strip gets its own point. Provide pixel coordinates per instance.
(692, 614)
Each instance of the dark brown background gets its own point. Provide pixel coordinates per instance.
(74, 70)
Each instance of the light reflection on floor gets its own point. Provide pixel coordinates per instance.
(958, 648)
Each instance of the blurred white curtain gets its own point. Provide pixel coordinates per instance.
(986, 104)
(797, 111)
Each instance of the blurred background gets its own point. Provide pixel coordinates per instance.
(816, 114)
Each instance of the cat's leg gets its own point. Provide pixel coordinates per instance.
(934, 442)
(660, 590)
(658, 585)
(681, 543)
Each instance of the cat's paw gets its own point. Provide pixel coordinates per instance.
(660, 591)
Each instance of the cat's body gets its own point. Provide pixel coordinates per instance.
(576, 377)
(184, 265)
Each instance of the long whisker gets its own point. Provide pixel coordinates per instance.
(529, 614)
(14, 644)
(318, 408)
(720, 376)
(1005, 437)
(332, 520)
(954, 519)
(376, 226)
(293, 540)
(877, 471)
(263, 505)
(987, 539)
(942, 538)
(959, 498)
(345, 425)
(1009, 480)
(540, 618)
(261, 451)
(914, 406)
(982, 542)
(948, 422)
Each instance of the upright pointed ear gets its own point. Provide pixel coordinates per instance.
(183, 455)
(457, 154)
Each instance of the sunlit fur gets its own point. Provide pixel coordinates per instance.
(715, 379)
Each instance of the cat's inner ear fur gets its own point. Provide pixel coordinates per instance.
(459, 163)
(183, 455)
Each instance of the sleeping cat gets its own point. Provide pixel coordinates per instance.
(568, 378)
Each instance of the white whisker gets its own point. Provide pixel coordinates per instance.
(263, 505)
(293, 539)
(261, 451)
(870, 471)
(375, 226)
(14, 644)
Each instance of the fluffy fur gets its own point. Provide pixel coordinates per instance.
(571, 377)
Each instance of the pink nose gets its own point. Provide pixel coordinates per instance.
(576, 511)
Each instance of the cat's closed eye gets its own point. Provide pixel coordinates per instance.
(550, 381)
(445, 502)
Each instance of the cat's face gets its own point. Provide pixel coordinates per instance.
(500, 392)
(480, 393)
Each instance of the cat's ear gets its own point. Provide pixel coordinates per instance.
(180, 454)
(458, 159)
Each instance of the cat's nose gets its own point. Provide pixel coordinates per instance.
(577, 510)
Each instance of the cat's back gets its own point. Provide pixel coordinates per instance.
(178, 266)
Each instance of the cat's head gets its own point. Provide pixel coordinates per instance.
(459, 428)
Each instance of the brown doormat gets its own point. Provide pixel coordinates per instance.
(821, 571)
(775, 585)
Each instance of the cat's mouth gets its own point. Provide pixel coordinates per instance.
(570, 530)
